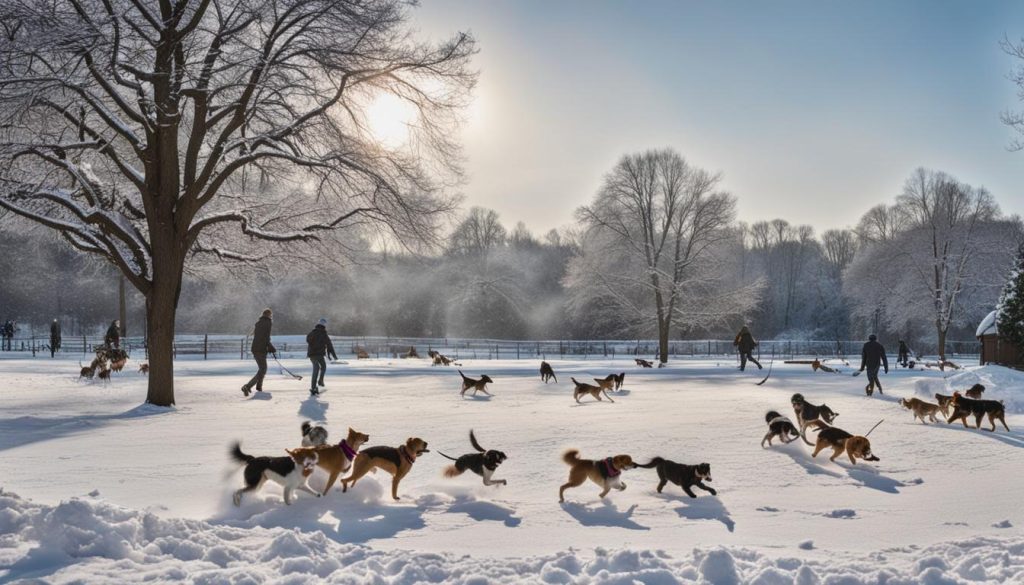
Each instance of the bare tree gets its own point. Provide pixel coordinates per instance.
(652, 232)
(839, 246)
(155, 133)
(480, 231)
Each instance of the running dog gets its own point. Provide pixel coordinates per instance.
(483, 463)
(606, 473)
(290, 472)
(643, 363)
(964, 407)
(87, 371)
(684, 476)
(606, 383)
(975, 392)
(779, 426)
(920, 408)
(313, 436)
(144, 368)
(582, 389)
(547, 372)
(944, 403)
(337, 459)
(807, 412)
(839, 440)
(619, 379)
(476, 385)
(397, 461)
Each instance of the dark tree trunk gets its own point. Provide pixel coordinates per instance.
(663, 342)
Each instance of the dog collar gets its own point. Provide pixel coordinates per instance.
(612, 472)
(405, 453)
(347, 450)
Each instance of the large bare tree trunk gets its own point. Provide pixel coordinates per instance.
(160, 311)
(663, 341)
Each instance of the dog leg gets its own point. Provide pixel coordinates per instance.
(710, 490)
(836, 452)
(330, 481)
(310, 490)
(977, 419)
(661, 483)
(394, 487)
(569, 484)
(768, 438)
(288, 496)
(689, 491)
(606, 396)
(817, 449)
(850, 455)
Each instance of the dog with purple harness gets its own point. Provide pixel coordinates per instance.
(606, 472)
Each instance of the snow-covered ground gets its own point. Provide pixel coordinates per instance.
(98, 488)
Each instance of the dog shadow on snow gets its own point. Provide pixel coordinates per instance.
(703, 508)
(466, 503)
(863, 474)
(604, 514)
(25, 430)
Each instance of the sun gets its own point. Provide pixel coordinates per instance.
(389, 119)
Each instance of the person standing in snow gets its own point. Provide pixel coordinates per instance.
(261, 346)
(319, 345)
(872, 357)
(903, 355)
(745, 343)
(54, 337)
(113, 337)
(6, 335)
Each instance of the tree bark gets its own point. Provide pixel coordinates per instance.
(663, 342)
(942, 347)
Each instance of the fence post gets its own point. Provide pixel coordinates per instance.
(517, 350)
(84, 345)
(241, 349)
(206, 345)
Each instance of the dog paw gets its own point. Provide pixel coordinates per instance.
(714, 493)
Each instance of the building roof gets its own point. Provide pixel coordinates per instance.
(988, 325)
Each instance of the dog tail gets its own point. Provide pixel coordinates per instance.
(652, 463)
(574, 381)
(472, 441)
(451, 470)
(818, 425)
(571, 457)
(306, 428)
(237, 455)
(554, 377)
(447, 457)
(463, 375)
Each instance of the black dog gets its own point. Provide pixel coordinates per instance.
(618, 380)
(779, 426)
(483, 463)
(964, 407)
(807, 412)
(684, 476)
(547, 372)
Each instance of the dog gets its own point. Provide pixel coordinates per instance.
(290, 472)
(944, 403)
(313, 436)
(619, 379)
(442, 360)
(807, 412)
(963, 407)
(476, 385)
(975, 392)
(817, 365)
(839, 440)
(86, 372)
(779, 426)
(103, 373)
(547, 373)
(643, 363)
(684, 476)
(118, 365)
(606, 473)
(397, 461)
(337, 459)
(920, 408)
(361, 354)
(483, 463)
(144, 369)
(411, 353)
(606, 383)
(582, 389)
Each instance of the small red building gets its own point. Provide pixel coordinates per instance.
(995, 349)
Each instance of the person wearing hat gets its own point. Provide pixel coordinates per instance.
(54, 337)
(319, 345)
(872, 357)
(261, 346)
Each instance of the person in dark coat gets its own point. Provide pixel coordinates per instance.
(261, 346)
(745, 343)
(113, 337)
(873, 357)
(54, 337)
(903, 357)
(319, 345)
(7, 335)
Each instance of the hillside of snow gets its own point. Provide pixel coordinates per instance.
(99, 489)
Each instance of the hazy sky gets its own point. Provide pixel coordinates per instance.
(813, 111)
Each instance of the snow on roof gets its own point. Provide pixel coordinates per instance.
(988, 325)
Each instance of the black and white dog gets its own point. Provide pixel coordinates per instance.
(313, 436)
(289, 472)
(779, 426)
(483, 463)
(807, 412)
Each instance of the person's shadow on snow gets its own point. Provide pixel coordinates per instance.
(703, 508)
(314, 408)
(603, 514)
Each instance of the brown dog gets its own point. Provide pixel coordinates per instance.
(582, 389)
(103, 373)
(964, 407)
(944, 403)
(975, 392)
(144, 369)
(839, 440)
(396, 461)
(606, 473)
(920, 408)
(606, 383)
(643, 363)
(337, 459)
(118, 365)
(476, 385)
